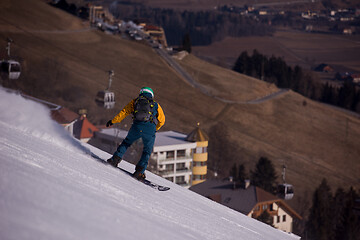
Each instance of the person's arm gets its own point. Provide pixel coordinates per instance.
(160, 117)
(128, 109)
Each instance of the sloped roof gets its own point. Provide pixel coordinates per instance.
(84, 129)
(197, 135)
(239, 199)
(64, 115)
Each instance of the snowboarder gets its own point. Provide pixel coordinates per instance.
(148, 117)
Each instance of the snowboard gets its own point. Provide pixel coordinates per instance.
(147, 182)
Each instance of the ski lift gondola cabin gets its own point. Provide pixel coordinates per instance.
(11, 68)
(106, 98)
(286, 191)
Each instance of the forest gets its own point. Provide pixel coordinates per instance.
(275, 70)
(204, 27)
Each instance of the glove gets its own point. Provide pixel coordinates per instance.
(109, 123)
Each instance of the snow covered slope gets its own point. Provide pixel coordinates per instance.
(51, 188)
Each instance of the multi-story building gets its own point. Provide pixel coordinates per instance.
(172, 157)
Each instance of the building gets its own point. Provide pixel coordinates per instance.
(249, 200)
(65, 117)
(324, 68)
(83, 129)
(156, 33)
(173, 158)
(200, 154)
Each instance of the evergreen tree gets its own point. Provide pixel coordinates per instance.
(264, 175)
(241, 174)
(319, 224)
(238, 174)
(186, 43)
(242, 62)
(350, 229)
(233, 172)
(265, 217)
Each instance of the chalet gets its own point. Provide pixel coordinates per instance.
(249, 200)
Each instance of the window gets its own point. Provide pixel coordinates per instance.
(171, 179)
(284, 218)
(169, 167)
(278, 219)
(180, 166)
(181, 153)
(271, 207)
(199, 177)
(180, 180)
(264, 207)
(201, 150)
(199, 164)
(170, 155)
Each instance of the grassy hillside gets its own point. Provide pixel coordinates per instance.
(65, 62)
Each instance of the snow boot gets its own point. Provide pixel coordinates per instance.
(114, 161)
(138, 174)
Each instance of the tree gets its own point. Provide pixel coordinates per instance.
(265, 217)
(186, 43)
(264, 175)
(319, 225)
(238, 174)
(348, 229)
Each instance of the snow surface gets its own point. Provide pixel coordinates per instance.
(52, 188)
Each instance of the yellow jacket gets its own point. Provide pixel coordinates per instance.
(129, 109)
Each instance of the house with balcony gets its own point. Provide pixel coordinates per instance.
(249, 200)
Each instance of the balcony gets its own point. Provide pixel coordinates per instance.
(178, 159)
(199, 170)
(200, 157)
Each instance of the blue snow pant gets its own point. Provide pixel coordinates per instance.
(145, 131)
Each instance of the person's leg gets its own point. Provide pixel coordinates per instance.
(132, 136)
(148, 141)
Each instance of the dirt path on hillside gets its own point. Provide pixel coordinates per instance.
(190, 80)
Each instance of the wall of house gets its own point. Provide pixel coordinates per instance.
(282, 220)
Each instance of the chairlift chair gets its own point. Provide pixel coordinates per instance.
(106, 98)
